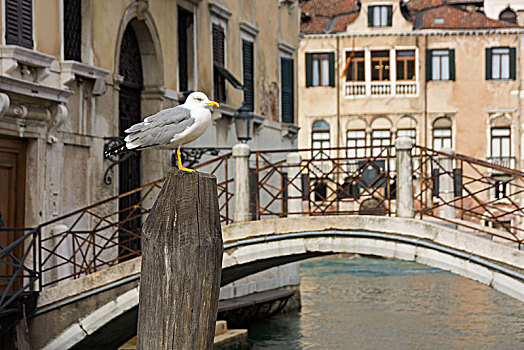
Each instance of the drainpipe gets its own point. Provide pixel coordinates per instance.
(425, 93)
(337, 85)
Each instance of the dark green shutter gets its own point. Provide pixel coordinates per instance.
(309, 78)
(428, 65)
(390, 15)
(370, 16)
(331, 57)
(488, 64)
(247, 64)
(19, 23)
(288, 98)
(452, 64)
(512, 65)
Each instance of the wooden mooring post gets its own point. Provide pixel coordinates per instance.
(181, 265)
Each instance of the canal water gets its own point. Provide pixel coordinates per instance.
(367, 303)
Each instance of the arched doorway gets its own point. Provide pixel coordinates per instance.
(129, 111)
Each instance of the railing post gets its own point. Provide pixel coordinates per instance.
(446, 184)
(241, 212)
(405, 207)
(294, 203)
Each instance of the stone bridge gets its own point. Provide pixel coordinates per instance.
(100, 310)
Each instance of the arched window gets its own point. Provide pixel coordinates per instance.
(508, 15)
(320, 135)
(320, 139)
(442, 133)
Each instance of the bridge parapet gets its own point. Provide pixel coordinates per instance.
(468, 193)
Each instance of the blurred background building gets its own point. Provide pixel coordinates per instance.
(440, 72)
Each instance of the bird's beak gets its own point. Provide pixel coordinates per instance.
(212, 104)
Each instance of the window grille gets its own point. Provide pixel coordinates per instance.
(73, 30)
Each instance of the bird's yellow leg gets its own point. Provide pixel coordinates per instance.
(179, 160)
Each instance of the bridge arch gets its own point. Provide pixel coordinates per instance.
(256, 246)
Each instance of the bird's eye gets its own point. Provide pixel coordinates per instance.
(199, 99)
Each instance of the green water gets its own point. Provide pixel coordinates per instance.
(365, 303)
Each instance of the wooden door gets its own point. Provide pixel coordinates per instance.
(12, 192)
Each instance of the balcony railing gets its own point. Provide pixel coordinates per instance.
(355, 89)
(382, 88)
(506, 162)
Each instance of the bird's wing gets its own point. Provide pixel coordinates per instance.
(159, 128)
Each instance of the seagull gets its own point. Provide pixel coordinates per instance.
(170, 128)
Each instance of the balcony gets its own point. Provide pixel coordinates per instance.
(376, 88)
(503, 161)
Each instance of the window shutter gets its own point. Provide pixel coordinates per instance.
(19, 23)
(286, 78)
(218, 45)
(26, 14)
(370, 16)
(512, 64)
(247, 58)
(390, 15)
(488, 64)
(452, 64)
(331, 57)
(309, 79)
(429, 72)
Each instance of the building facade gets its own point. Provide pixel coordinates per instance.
(445, 75)
(75, 73)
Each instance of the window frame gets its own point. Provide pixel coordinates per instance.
(389, 15)
(360, 151)
(512, 67)
(405, 60)
(385, 65)
(354, 64)
(500, 139)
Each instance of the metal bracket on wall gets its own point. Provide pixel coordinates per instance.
(115, 159)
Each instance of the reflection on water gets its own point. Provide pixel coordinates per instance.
(365, 303)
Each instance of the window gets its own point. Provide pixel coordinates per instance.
(320, 135)
(442, 134)
(320, 69)
(380, 138)
(440, 64)
(19, 23)
(356, 138)
(185, 49)
(355, 71)
(411, 133)
(406, 65)
(247, 67)
(380, 65)
(508, 15)
(500, 143)
(500, 63)
(380, 16)
(219, 81)
(72, 30)
(288, 94)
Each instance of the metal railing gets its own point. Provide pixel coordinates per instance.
(485, 197)
(18, 267)
(341, 181)
(330, 182)
(91, 238)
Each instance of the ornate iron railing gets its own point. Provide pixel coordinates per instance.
(486, 197)
(18, 266)
(331, 182)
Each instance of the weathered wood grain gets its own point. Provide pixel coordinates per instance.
(181, 265)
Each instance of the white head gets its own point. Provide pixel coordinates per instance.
(199, 99)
